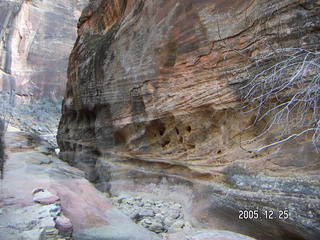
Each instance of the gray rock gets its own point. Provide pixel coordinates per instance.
(146, 213)
(34, 234)
(159, 216)
(156, 227)
(168, 222)
(153, 225)
(137, 198)
(178, 224)
(155, 215)
(28, 223)
(46, 161)
(120, 228)
(54, 208)
(44, 150)
(175, 214)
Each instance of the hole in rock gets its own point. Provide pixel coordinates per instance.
(119, 138)
(156, 126)
(177, 131)
(189, 129)
(191, 146)
(165, 143)
(96, 152)
(161, 131)
(79, 147)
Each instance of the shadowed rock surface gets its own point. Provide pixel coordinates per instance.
(152, 105)
(2, 147)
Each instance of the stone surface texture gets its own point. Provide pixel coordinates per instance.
(152, 105)
(81, 211)
(36, 38)
(158, 216)
(45, 197)
(205, 235)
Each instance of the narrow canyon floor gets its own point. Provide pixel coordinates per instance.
(42, 197)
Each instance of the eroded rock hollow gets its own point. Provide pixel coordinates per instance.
(152, 105)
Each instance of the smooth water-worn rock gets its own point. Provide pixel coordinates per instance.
(36, 38)
(45, 197)
(64, 225)
(207, 235)
(29, 201)
(152, 100)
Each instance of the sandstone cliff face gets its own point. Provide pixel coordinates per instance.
(152, 99)
(36, 40)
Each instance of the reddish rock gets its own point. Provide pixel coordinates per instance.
(44, 197)
(91, 214)
(36, 39)
(153, 93)
(38, 189)
(64, 225)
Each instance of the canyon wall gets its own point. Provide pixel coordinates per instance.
(152, 105)
(36, 38)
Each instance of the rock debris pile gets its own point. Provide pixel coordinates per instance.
(31, 222)
(155, 215)
(60, 225)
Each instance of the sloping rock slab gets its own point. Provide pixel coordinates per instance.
(119, 228)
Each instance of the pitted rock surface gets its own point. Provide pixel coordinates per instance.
(153, 96)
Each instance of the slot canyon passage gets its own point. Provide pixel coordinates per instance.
(180, 119)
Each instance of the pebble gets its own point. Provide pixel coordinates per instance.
(38, 189)
(46, 161)
(178, 224)
(146, 213)
(64, 225)
(43, 196)
(156, 215)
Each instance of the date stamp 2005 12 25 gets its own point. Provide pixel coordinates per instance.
(264, 215)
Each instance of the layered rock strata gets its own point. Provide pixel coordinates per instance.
(152, 100)
(36, 38)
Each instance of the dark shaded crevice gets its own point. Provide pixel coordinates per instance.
(2, 148)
